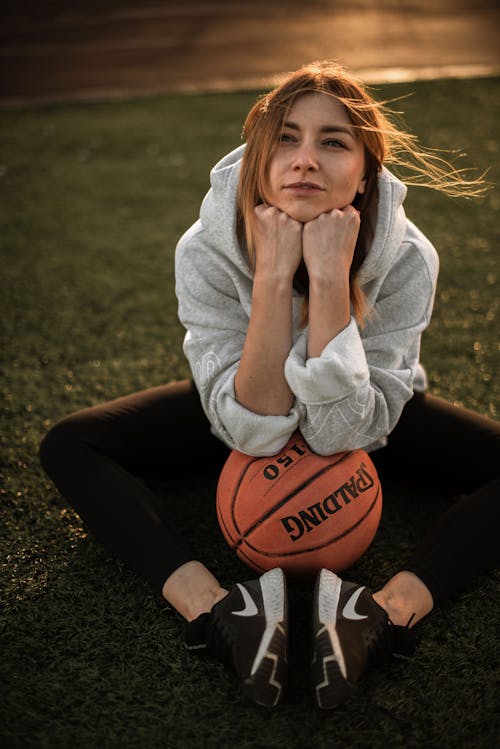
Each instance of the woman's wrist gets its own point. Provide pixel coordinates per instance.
(323, 280)
(272, 282)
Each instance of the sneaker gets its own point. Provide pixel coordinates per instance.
(247, 630)
(351, 633)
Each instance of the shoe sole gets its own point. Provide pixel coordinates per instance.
(330, 688)
(267, 679)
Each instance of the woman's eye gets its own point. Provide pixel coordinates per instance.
(285, 138)
(334, 143)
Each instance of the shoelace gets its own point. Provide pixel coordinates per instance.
(391, 639)
(403, 639)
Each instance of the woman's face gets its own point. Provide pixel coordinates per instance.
(319, 162)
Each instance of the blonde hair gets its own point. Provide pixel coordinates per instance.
(384, 143)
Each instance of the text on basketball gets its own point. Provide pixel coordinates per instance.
(309, 518)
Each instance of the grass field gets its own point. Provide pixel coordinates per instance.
(93, 200)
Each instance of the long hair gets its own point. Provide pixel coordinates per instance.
(383, 141)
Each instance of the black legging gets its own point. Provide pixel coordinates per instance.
(96, 457)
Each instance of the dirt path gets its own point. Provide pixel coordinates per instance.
(57, 50)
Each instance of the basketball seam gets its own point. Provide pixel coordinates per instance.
(221, 519)
(318, 546)
(248, 560)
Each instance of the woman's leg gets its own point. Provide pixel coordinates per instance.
(96, 458)
(455, 451)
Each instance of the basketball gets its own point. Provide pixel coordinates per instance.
(299, 510)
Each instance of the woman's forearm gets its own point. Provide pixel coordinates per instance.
(329, 242)
(329, 313)
(260, 382)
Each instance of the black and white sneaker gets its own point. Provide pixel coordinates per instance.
(351, 632)
(247, 630)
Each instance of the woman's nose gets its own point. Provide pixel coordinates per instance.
(305, 158)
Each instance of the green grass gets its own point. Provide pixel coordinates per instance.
(93, 200)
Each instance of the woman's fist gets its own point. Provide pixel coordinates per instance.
(328, 243)
(278, 242)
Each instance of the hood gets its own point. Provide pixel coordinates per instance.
(218, 210)
(390, 228)
(218, 217)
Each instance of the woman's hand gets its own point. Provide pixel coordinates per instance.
(278, 243)
(328, 244)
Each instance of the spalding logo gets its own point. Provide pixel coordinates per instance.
(312, 516)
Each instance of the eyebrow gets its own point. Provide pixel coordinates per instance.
(324, 129)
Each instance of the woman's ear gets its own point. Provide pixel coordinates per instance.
(362, 185)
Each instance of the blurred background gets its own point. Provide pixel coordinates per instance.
(58, 50)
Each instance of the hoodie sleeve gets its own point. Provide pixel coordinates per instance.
(352, 395)
(216, 323)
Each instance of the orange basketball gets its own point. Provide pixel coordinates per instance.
(299, 510)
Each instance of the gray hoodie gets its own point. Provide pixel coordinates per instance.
(353, 394)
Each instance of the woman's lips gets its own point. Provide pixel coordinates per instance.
(304, 187)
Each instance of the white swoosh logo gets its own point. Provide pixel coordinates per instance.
(349, 610)
(250, 608)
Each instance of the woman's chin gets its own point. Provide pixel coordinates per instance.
(303, 213)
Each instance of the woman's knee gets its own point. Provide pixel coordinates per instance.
(61, 441)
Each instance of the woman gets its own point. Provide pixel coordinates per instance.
(304, 291)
